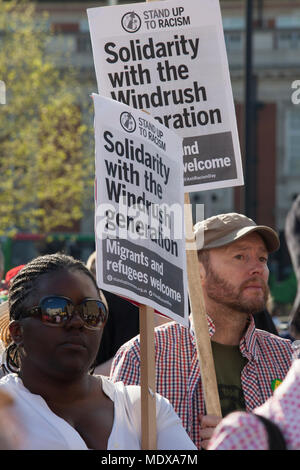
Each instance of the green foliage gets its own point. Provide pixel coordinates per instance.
(46, 173)
(283, 292)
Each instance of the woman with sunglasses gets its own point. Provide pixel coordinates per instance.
(57, 318)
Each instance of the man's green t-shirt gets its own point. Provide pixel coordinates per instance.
(229, 364)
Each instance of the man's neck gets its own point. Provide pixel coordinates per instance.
(230, 325)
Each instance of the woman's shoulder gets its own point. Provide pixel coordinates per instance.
(9, 380)
(119, 390)
(130, 395)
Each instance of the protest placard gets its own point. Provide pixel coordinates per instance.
(169, 58)
(139, 222)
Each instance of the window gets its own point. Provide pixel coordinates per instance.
(292, 141)
(288, 39)
(234, 41)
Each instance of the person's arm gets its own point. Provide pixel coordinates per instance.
(239, 431)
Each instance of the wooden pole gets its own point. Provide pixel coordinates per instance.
(203, 342)
(148, 386)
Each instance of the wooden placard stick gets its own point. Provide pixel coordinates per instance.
(147, 382)
(203, 343)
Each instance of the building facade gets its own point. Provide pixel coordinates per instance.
(276, 77)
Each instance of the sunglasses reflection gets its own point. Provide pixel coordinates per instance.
(57, 310)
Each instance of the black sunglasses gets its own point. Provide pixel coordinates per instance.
(56, 310)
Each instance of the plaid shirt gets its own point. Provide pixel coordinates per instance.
(243, 431)
(178, 374)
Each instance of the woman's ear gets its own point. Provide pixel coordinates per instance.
(16, 332)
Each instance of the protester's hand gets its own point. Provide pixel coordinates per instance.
(207, 427)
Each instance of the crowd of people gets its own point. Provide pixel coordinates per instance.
(71, 354)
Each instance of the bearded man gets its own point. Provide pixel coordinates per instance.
(233, 255)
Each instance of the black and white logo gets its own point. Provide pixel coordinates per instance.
(127, 121)
(131, 22)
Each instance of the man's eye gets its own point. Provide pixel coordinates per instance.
(239, 256)
(263, 259)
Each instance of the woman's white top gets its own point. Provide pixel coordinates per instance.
(42, 429)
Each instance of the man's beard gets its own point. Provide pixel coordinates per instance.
(224, 293)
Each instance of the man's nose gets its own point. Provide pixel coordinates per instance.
(256, 266)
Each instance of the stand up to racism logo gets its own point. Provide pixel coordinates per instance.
(127, 121)
(131, 22)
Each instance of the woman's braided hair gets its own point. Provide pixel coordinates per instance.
(24, 284)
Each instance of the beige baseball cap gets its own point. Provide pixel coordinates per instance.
(223, 229)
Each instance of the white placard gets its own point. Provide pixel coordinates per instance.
(169, 58)
(139, 218)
